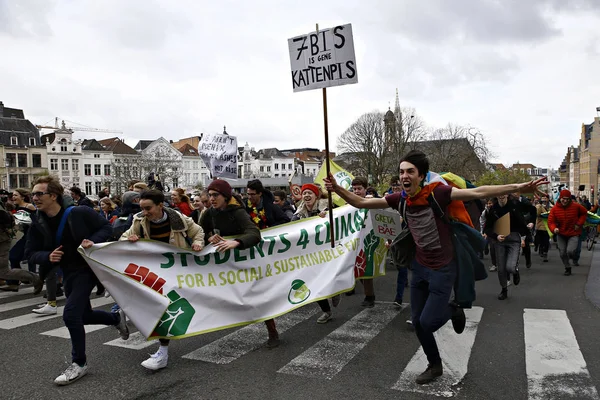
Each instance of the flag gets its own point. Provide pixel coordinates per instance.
(343, 178)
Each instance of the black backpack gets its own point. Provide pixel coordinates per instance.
(120, 225)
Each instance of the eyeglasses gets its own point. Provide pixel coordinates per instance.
(214, 195)
(252, 194)
(38, 194)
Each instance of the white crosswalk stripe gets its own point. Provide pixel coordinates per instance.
(328, 356)
(31, 318)
(455, 351)
(555, 365)
(231, 347)
(5, 295)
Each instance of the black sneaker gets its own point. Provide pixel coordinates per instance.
(459, 320)
(273, 342)
(503, 294)
(528, 265)
(516, 278)
(432, 372)
(368, 302)
(567, 272)
(575, 264)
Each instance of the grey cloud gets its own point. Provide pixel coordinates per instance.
(483, 21)
(26, 19)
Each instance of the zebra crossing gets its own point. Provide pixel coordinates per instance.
(555, 365)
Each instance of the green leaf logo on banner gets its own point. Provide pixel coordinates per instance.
(176, 320)
(299, 292)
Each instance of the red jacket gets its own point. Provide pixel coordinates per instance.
(565, 218)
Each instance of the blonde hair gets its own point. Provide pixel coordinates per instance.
(108, 201)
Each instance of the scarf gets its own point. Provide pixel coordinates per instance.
(420, 198)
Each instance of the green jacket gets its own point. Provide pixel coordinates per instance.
(232, 221)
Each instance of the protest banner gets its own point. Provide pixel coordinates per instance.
(169, 292)
(219, 152)
(322, 59)
(386, 224)
(343, 178)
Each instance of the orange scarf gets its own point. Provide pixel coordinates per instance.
(456, 209)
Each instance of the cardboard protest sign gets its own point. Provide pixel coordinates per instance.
(386, 224)
(502, 225)
(219, 152)
(323, 59)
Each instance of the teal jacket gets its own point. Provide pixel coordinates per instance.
(468, 242)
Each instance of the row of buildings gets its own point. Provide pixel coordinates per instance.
(94, 164)
(580, 168)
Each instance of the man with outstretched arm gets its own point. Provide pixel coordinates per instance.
(434, 267)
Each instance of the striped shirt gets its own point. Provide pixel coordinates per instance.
(160, 231)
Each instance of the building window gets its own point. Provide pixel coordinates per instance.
(290, 166)
(23, 180)
(14, 141)
(87, 170)
(268, 168)
(282, 166)
(63, 145)
(11, 159)
(36, 160)
(96, 155)
(75, 165)
(97, 169)
(54, 164)
(187, 165)
(98, 187)
(175, 182)
(32, 141)
(195, 164)
(276, 166)
(107, 170)
(276, 175)
(88, 187)
(22, 158)
(64, 164)
(262, 168)
(196, 176)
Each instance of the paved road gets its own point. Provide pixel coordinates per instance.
(540, 343)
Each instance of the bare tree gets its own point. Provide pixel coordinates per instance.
(459, 149)
(364, 144)
(137, 167)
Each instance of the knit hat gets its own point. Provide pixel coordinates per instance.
(221, 186)
(313, 188)
(128, 197)
(565, 193)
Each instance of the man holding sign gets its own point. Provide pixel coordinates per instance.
(434, 267)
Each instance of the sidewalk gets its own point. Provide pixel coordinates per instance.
(592, 286)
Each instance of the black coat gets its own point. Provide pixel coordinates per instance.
(275, 215)
(84, 223)
(84, 201)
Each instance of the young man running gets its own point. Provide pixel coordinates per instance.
(434, 267)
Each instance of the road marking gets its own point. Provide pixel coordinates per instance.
(555, 366)
(27, 319)
(21, 304)
(63, 332)
(4, 295)
(231, 347)
(136, 341)
(455, 351)
(329, 355)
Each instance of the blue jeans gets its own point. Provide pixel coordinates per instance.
(430, 292)
(78, 310)
(401, 283)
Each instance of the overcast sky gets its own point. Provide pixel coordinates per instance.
(526, 73)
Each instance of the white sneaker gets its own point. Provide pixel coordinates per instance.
(493, 268)
(71, 374)
(46, 309)
(508, 283)
(324, 318)
(409, 321)
(156, 361)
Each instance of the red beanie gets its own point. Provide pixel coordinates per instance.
(565, 193)
(313, 188)
(221, 186)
